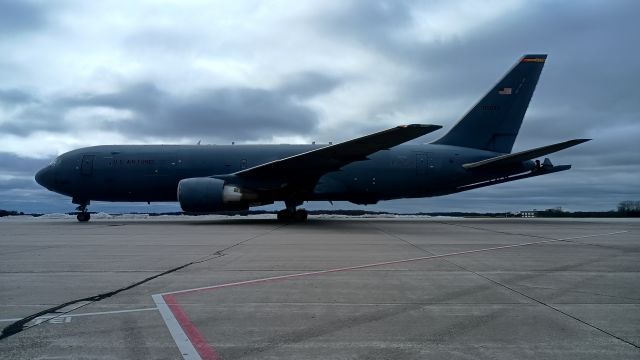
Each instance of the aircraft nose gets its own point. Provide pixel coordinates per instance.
(44, 177)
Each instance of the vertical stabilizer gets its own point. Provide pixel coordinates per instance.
(493, 123)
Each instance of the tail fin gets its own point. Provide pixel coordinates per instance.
(493, 123)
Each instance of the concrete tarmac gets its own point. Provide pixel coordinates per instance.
(332, 288)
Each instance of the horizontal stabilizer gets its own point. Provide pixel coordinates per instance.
(509, 159)
(545, 170)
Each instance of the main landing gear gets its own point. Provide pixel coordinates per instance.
(290, 214)
(299, 215)
(83, 214)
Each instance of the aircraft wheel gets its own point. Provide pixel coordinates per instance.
(83, 216)
(283, 215)
(301, 215)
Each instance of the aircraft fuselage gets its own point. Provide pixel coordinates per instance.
(151, 173)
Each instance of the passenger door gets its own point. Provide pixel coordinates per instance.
(86, 168)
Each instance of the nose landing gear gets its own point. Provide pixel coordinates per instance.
(83, 215)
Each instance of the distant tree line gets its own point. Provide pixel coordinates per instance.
(9, 213)
(626, 208)
(629, 208)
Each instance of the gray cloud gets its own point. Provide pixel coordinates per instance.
(241, 114)
(13, 164)
(588, 88)
(21, 16)
(238, 113)
(12, 97)
(589, 46)
(19, 186)
(31, 113)
(308, 84)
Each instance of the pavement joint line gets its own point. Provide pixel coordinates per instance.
(20, 325)
(194, 346)
(512, 289)
(86, 314)
(391, 262)
(578, 292)
(554, 308)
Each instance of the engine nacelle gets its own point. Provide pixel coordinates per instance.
(209, 195)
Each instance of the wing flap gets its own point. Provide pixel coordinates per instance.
(509, 159)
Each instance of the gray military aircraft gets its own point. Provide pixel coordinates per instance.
(475, 153)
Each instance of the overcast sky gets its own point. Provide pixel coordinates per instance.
(83, 73)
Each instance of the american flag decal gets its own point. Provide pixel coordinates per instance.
(505, 91)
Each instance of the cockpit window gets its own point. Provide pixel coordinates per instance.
(56, 161)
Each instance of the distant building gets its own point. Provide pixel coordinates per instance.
(552, 212)
(529, 213)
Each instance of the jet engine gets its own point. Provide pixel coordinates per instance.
(210, 195)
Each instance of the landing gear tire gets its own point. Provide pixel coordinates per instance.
(83, 216)
(284, 216)
(299, 215)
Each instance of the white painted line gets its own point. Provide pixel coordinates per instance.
(185, 346)
(84, 314)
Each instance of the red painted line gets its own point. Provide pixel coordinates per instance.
(206, 351)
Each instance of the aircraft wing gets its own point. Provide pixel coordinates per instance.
(315, 163)
(509, 159)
